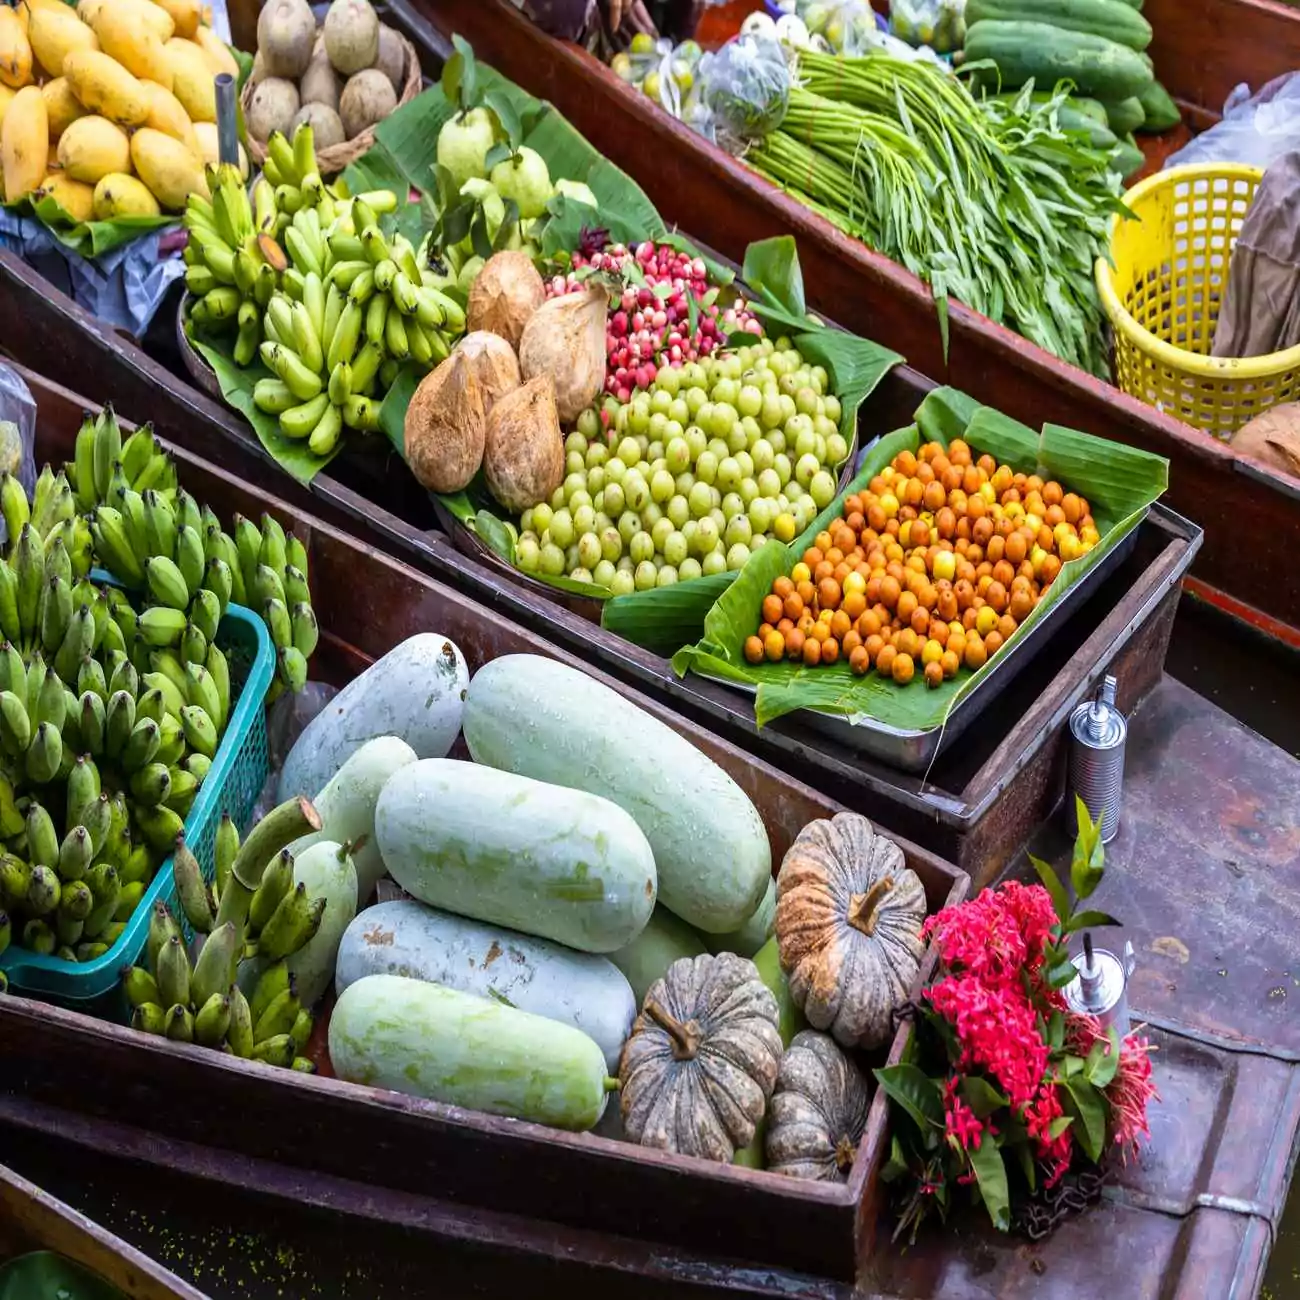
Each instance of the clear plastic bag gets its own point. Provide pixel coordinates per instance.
(939, 24)
(17, 429)
(1255, 130)
(665, 72)
(847, 26)
(746, 86)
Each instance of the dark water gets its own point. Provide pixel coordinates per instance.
(1259, 684)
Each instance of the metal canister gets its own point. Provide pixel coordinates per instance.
(1101, 987)
(1097, 736)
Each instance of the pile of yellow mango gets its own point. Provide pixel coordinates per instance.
(109, 107)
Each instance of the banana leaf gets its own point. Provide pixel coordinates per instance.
(237, 383)
(1120, 483)
(87, 238)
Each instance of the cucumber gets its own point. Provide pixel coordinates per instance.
(347, 808)
(1126, 158)
(543, 719)
(1161, 113)
(403, 937)
(665, 939)
(415, 691)
(1125, 116)
(751, 936)
(1025, 51)
(1113, 19)
(562, 864)
(429, 1041)
(327, 871)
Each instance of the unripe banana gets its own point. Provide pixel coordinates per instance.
(190, 559)
(161, 626)
(292, 667)
(200, 730)
(277, 881)
(45, 754)
(151, 785)
(180, 1024)
(325, 436)
(302, 381)
(205, 612)
(141, 746)
(75, 854)
(167, 585)
(293, 924)
(299, 421)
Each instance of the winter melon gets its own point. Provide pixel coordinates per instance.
(545, 720)
(444, 1045)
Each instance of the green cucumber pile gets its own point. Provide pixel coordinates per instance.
(1098, 46)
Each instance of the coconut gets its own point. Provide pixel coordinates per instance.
(505, 294)
(351, 35)
(565, 338)
(320, 83)
(523, 454)
(366, 99)
(326, 128)
(271, 108)
(496, 368)
(392, 57)
(285, 32)
(444, 428)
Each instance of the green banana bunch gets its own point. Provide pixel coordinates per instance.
(233, 263)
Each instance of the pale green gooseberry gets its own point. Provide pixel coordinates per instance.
(528, 555)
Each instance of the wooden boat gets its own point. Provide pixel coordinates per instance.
(349, 1174)
(32, 1220)
(367, 603)
(722, 202)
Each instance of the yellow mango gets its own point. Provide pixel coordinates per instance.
(217, 50)
(92, 147)
(104, 86)
(168, 115)
(25, 143)
(210, 147)
(192, 80)
(152, 17)
(184, 15)
(76, 198)
(6, 98)
(87, 9)
(61, 105)
(55, 33)
(167, 167)
(120, 195)
(124, 38)
(15, 53)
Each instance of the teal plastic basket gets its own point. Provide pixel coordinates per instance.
(232, 785)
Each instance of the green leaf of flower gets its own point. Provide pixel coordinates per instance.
(991, 1174)
(1089, 921)
(981, 1096)
(912, 1089)
(1085, 1103)
(1052, 883)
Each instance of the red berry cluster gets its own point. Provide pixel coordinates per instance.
(649, 325)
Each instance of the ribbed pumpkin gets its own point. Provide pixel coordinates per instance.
(818, 1111)
(848, 923)
(702, 1059)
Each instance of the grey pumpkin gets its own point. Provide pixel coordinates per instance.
(702, 1058)
(818, 1111)
(848, 924)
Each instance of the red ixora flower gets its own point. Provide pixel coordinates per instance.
(961, 1123)
(1128, 1093)
(1054, 1152)
(998, 1032)
(996, 935)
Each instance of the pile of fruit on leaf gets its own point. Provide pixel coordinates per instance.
(932, 567)
(114, 703)
(684, 473)
(341, 79)
(109, 108)
(335, 316)
(255, 977)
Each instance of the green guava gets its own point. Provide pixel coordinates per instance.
(579, 191)
(525, 179)
(463, 144)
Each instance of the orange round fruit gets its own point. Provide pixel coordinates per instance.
(902, 669)
(774, 646)
(753, 650)
(773, 609)
(933, 674)
(859, 660)
(812, 652)
(885, 660)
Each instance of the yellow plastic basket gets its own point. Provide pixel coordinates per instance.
(1163, 297)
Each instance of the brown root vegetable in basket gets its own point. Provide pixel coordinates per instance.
(1273, 438)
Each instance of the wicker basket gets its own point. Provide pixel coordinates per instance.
(333, 160)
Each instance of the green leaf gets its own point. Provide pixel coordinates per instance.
(291, 454)
(991, 1175)
(1052, 883)
(1059, 1125)
(497, 534)
(1059, 976)
(499, 153)
(1055, 1030)
(981, 1096)
(89, 239)
(1085, 1103)
(772, 268)
(452, 73)
(468, 92)
(1089, 920)
(478, 236)
(507, 114)
(508, 225)
(1028, 1166)
(1103, 1060)
(392, 411)
(896, 1166)
(913, 1090)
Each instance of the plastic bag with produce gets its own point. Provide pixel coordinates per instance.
(940, 24)
(1256, 129)
(746, 86)
(666, 73)
(847, 26)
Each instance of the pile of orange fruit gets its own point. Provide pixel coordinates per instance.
(932, 567)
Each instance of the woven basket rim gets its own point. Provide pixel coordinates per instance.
(333, 160)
